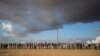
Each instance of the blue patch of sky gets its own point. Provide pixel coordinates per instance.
(69, 31)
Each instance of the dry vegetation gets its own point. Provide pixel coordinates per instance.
(49, 52)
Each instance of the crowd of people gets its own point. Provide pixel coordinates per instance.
(49, 46)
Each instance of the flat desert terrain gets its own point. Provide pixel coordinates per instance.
(49, 52)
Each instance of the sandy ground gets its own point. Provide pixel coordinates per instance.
(49, 52)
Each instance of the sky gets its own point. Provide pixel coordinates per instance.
(38, 20)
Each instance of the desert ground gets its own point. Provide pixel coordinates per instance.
(48, 52)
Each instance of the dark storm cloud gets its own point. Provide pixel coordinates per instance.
(41, 15)
(80, 10)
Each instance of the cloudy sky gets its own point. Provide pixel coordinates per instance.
(38, 20)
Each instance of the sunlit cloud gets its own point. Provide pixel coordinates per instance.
(97, 40)
(7, 27)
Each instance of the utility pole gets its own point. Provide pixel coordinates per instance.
(57, 36)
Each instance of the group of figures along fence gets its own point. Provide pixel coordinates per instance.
(50, 46)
